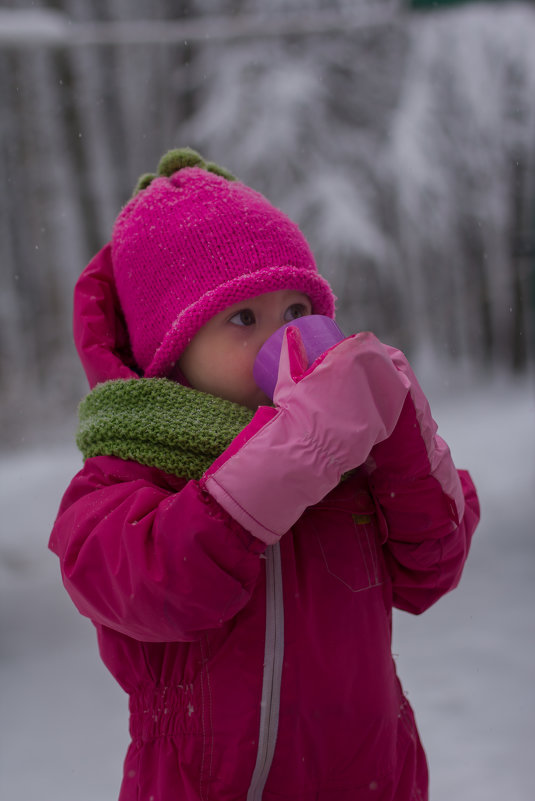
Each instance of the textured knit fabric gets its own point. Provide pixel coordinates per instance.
(160, 423)
(189, 245)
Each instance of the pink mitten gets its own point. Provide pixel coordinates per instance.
(325, 421)
(414, 452)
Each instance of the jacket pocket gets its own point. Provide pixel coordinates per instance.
(350, 551)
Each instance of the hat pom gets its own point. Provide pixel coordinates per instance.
(177, 159)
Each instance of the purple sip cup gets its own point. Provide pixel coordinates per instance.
(318, 333)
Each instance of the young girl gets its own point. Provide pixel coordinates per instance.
(240, 558)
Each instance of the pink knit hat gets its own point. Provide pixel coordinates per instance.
(193, 241)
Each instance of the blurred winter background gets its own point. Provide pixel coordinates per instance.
(401, 136)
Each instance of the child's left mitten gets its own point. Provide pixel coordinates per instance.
(414, 452)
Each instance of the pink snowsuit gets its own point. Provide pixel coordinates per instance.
(254, 672)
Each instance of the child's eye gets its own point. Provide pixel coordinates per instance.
(294, 311)
(243, 317)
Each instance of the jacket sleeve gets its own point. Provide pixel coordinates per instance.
(428, 510)
(151, 560)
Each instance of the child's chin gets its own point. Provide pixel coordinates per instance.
(259, 398)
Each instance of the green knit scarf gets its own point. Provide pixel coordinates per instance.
(157, 422)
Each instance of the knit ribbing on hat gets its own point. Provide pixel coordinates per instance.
(191, 244)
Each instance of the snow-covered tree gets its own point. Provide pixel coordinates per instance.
(402, 143)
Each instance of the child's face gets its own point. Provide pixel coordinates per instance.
(220, 357)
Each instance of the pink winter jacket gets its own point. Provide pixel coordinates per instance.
(254, 672)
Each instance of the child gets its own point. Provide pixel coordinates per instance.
(240, 559)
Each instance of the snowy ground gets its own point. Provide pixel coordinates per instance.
(468, 664)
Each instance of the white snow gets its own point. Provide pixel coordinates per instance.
(467, 664)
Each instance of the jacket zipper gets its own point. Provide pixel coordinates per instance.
(271, 681)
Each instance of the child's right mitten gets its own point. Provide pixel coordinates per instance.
(325, 421)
